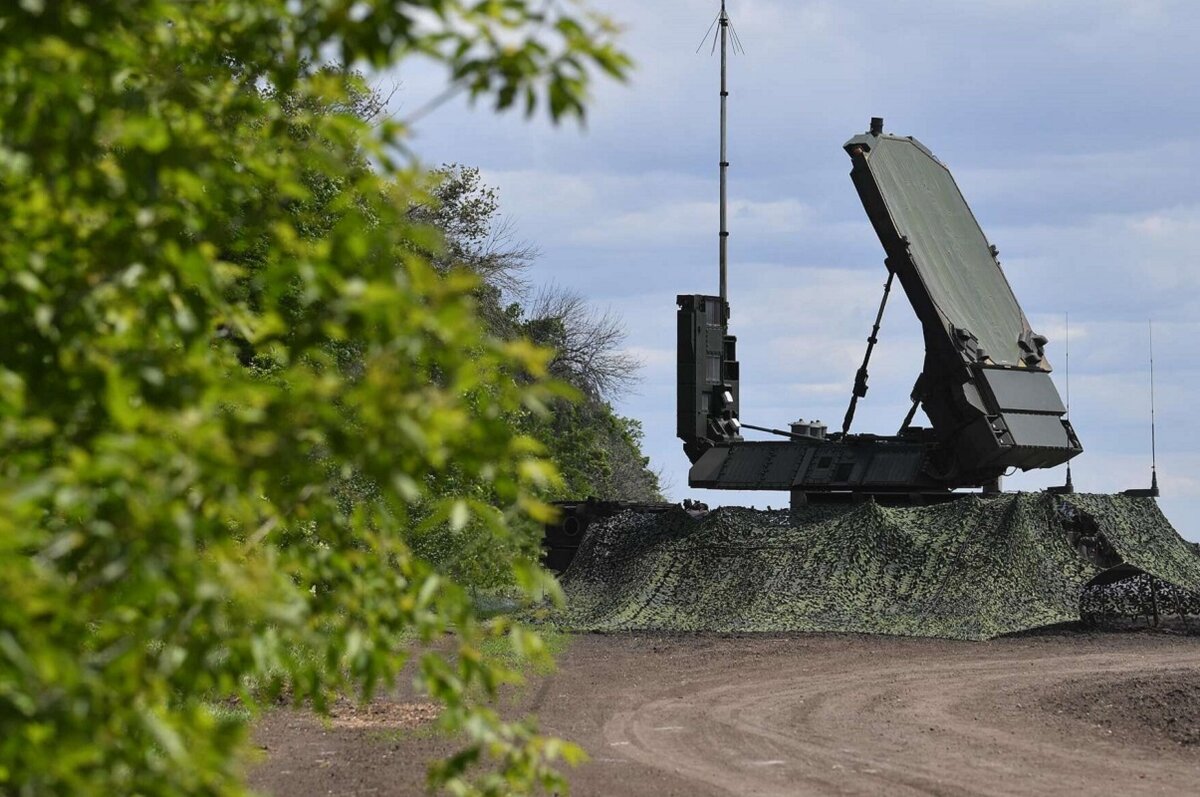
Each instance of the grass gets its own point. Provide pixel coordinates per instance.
(226, 711)
(501, 650)
(430, 730)
(498, 650)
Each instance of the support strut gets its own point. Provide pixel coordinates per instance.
(860, 378)
(908, 419)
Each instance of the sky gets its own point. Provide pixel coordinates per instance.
(1069, 125)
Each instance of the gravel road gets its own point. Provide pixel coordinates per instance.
(1063, 712)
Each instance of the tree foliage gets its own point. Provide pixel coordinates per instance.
(586, 342)
(477, 237)
(218, 312)
(597, 451)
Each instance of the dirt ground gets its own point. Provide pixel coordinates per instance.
(1051, 713)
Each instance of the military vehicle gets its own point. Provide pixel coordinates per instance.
(902, 533)
(985, 382)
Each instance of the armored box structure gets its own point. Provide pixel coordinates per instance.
(707, 392)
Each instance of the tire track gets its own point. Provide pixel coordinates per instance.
(964, 723)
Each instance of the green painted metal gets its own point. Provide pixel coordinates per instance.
(954, 261)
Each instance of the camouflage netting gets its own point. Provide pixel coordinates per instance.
(968, 569)
(1142, 598)
(1142, 536)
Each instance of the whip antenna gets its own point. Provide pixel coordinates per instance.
(1153, 446)
(725, 36)
(1067, 357)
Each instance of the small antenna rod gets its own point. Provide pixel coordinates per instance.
(724, 251)
(1153, 446)
(1068, 369)
(1069, 484)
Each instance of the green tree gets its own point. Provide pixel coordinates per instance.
(212, 327)
(597, 451)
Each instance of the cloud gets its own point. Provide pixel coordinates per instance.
(651, 357)
(1110, 266)
(684, 219)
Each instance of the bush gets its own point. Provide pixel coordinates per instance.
(216, 317)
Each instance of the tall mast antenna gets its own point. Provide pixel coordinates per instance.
(726, 35)
(1153, 446)
(724, 161)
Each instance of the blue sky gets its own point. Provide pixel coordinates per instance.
(1070, 127)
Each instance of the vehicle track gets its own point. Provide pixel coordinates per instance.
(958, 719)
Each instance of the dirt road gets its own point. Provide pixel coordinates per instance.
(824, 714)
